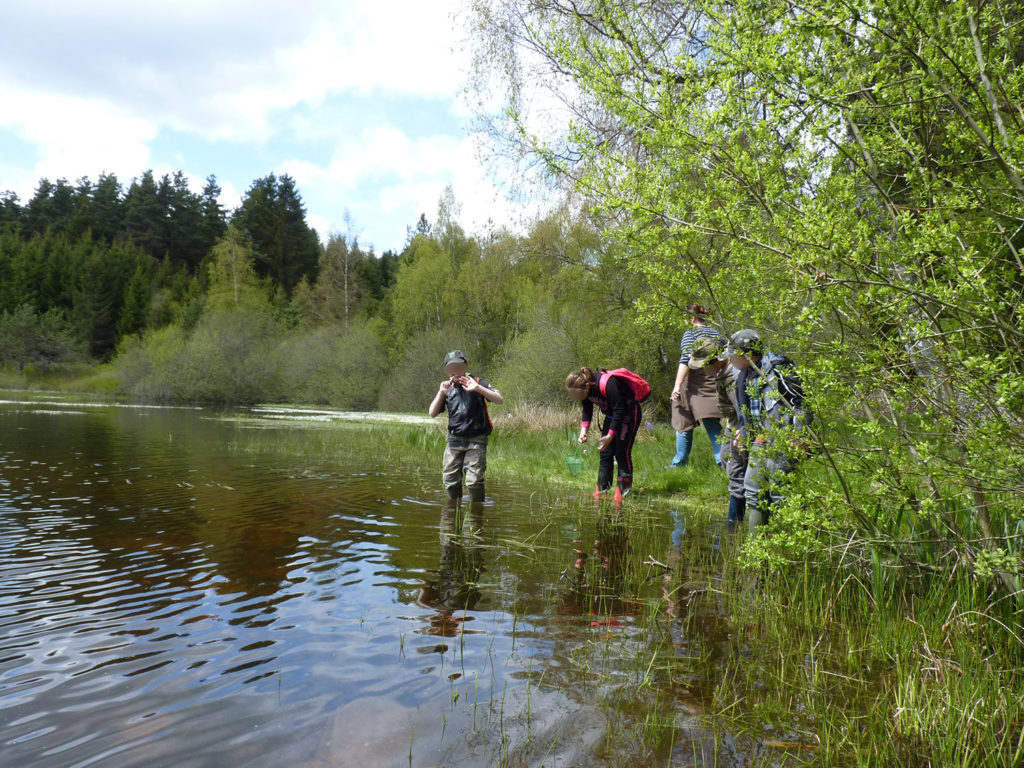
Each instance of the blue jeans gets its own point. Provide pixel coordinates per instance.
(684, 441)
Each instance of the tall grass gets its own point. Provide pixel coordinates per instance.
(59, 376)
(921, 677)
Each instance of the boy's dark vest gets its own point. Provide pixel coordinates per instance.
(467, 411)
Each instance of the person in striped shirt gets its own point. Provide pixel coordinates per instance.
(694, 399)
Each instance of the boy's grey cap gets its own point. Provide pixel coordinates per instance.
(744, 342)
(455, 356)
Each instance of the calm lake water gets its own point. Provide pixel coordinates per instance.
(177, 591)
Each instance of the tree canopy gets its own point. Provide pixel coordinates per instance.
(845, 177)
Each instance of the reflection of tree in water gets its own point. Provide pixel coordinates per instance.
(159, 498)
(611, 584)
(455, 587)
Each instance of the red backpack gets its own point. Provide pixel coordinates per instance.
(641, 389)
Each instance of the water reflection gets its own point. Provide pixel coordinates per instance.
(699, 631)
(455, 586)
(176, 590)
(598, 585)
(160, 591)
(701, 637)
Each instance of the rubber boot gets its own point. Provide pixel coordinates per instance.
(684, 441)
(475, 521)
(454, 497)
(737, 508)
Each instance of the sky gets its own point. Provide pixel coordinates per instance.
(358, 100)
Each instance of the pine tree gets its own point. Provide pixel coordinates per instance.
(11, 213)
(107, 212)
(274, 219)
(185, 240)
(214, 220)
(37, 212)
(135, 305)
(144, 215)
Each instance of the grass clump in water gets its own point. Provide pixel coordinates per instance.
(652, 617)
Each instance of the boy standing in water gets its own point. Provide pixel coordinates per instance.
(465, 398)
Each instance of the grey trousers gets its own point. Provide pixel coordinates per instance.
(762, 482)
(734, 462)
(465, 456)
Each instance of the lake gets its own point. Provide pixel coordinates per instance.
(190, 587)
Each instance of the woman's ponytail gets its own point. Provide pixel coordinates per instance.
(580, 379)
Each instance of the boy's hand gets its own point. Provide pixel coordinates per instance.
(469, 384)
(445, 385)
(605, 441)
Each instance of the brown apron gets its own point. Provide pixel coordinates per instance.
(698, 401)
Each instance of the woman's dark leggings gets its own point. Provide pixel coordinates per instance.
(619, 451)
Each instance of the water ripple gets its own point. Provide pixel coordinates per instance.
(169, 598)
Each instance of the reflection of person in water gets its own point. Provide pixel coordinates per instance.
(700, 634)
(605, 594)
(455, 587)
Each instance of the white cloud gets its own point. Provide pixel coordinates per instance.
(324, 227)
(74, 137)
(230, 195)
(383, 175)
(384, 178)
(94, 87)
(223, 68)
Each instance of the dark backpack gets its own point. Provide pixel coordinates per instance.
(783, 380)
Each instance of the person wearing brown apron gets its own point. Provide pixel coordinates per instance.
(694, 398)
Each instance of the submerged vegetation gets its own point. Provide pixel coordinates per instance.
(701, 660)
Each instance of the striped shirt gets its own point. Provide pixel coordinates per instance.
(691, 335)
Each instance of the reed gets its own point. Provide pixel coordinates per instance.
(694, 652)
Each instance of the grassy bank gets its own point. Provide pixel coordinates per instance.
(825, 662)
(63, 377)
(528, 449)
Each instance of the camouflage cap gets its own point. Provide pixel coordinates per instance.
(703, 351)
